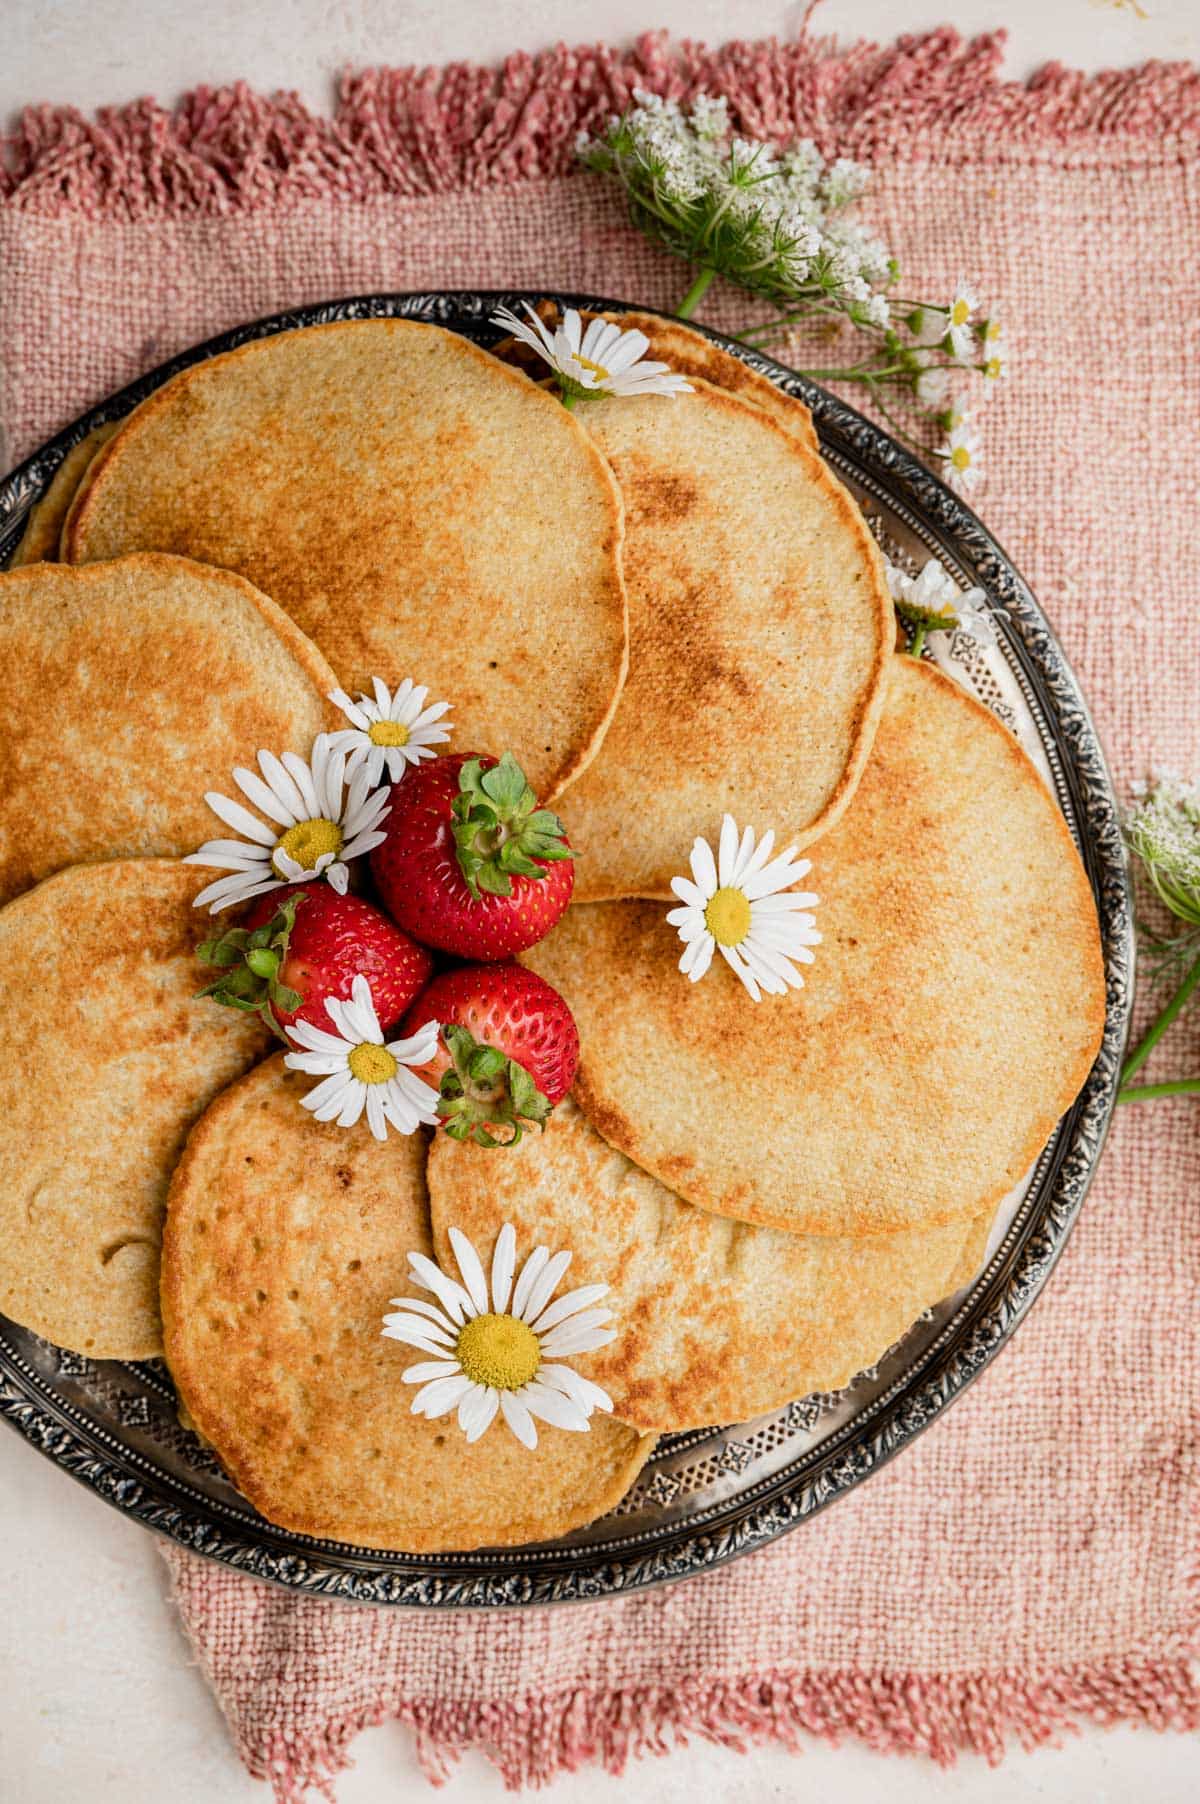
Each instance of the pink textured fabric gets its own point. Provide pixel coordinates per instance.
(1032, 1561)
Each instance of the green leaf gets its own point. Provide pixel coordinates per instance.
(495, 882)
(485, 1064)
(263, 962)
(285, 999)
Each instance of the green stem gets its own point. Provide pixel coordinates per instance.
(1180, 1086)
(917, 642)
(568, 400)
(1159, 1026)
(695, 294)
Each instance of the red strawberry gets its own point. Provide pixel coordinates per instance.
(508, 1050)
(471, 863)
(291, 953)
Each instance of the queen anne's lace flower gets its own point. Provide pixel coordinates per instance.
(1163, 828)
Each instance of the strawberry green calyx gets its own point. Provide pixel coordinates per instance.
(499, 830)
(483, 1090)
(250, 962)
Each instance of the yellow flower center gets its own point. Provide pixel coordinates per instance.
(387, 732)
(991, 369)
(597, 369)
(960, 457)
(992, 331)
(307, 841)
(498, 1350)
(960, 313)
(372, 1064)
(727, 917)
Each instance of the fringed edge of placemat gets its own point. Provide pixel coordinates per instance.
(427, 130)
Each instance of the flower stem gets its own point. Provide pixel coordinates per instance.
(1180, 1086)
(917, 642)
(695, 294)
(567, 399)
(1159, 1026)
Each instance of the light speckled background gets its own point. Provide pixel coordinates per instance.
(98, 1700)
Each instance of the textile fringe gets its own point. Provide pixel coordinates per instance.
(537, 1739)
(424, 131)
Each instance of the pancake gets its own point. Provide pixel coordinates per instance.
(105, 1062)
(39, 541)
(698, 358)
(759, 627)
(717, 1321)
(285, 1242)
(416, 507)
(130, 689)
(952, 1013)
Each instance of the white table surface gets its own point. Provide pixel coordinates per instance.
(98, 1698)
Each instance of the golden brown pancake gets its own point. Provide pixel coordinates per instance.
(285, 1242)
(716, 1320)
(39, 542)
(106, 1060)
(759, 627)
(130, 689)
(953, 1011)
(698, 358)
(416, 507)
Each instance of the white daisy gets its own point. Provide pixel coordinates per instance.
(320, 822)
(933, 386)
(962, 452)
(393, 730)
(995, 358)
(959, 330)
(933, 600)
(603, 360)
(741, 905)
(361, 1071)
(499, 1348)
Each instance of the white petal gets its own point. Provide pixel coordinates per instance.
(441, 1396)
(317, 1039)
(451, 1296)
(571, 1338)
(317, 1064)
(573, 1384)
(477, 1412)
(688, 892)
(263, 796)
(697, 957)
(552, 1406)
(418, 1306)
(404, 1325)
(518, 1419)
(570, 1303)
(284, 786)
(727, 853)
(339, 877)
(376, 1118)
(240, 819)
(232, 855)
(503, 1261)
(704, 869)
(413, 1334)
(238, 888)
(470, 1270)
(430, 1368)
(545, 1285)
(756, 858)
(527, 1279)
(351, 710)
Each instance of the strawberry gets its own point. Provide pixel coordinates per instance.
(289, 955)
(471, 864)
(508, 1052)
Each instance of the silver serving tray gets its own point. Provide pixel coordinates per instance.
(706, 1495)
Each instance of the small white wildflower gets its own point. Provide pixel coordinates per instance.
(961, 454)
(933, 385)
(932, 599)
(1164, 830)
(963, 303)
(844, 182)
(710, 116)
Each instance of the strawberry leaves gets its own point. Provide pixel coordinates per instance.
(249, 962)
(499, 830)
(483, 1090)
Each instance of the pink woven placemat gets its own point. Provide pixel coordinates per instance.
(1033, 1560)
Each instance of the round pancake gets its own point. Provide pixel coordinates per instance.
(698, 358)
(717, 1321)
(130, 689)
(39, 541)
(106, 1060)
(952, 1013)
(759, 628)
(286, 1240)
(416, 507)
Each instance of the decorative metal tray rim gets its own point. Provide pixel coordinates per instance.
(91, 1420)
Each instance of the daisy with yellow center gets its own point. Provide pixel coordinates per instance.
(995, 357)
(959, 329)
(389, 732)
(318, 823)
(359, 1071)
(603, 360)
(961, 455)
(496, 1346)
(741, 904)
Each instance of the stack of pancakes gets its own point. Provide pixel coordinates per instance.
(668, 609)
